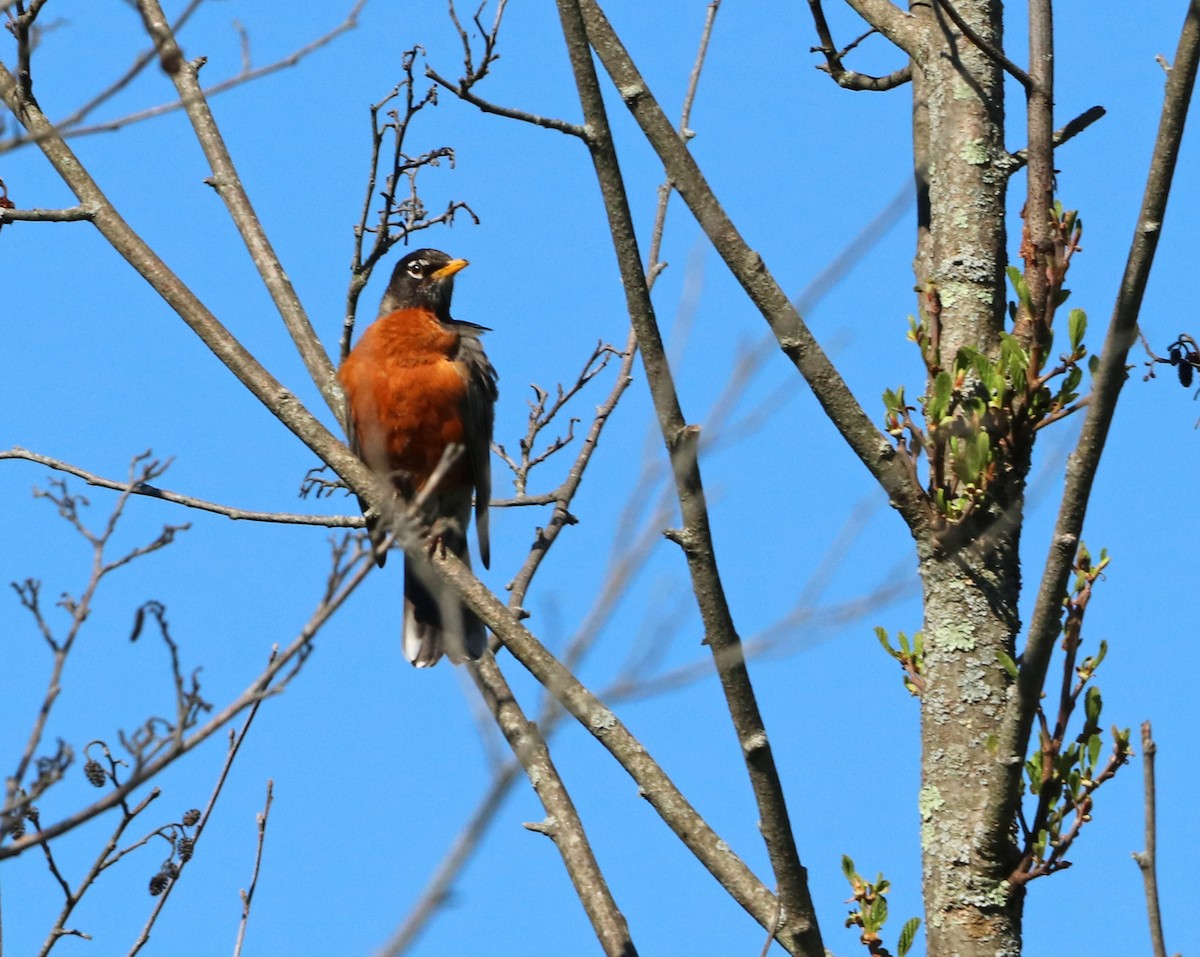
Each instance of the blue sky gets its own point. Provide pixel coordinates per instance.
(375, 765)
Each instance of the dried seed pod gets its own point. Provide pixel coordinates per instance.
(94, 772)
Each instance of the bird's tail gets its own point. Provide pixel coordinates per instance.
(436, 623)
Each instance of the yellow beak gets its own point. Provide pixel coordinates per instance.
(453, 266)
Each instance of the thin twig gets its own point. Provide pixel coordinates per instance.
(235, 744)
(188, 501)
(352, 573)
(1147, 860)
(402, 213)
(1061, 136)
(140, 63)
(248, 895)
(67, 126)
(140, 469)
(849, 79)
(104, 859)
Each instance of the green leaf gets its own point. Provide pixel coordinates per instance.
(1014, 360)
(848, 865)
(1007, 663)
(1076, 327)
(939, 401)
(878, 913)
(908, 934)
(882, 635)
(1093, 364)
(1093, 750)
(1092, 705)
(1066, 392)
(1019, 286)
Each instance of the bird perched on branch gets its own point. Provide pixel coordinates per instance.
(420, 398)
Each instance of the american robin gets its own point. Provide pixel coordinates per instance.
(417, 385)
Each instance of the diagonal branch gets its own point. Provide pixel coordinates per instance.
(1030, 84)
(562, 824)
(602, 723)
(1062, 135)
(227, 182)
(792, 334)
(799, 933)
(1109, 378)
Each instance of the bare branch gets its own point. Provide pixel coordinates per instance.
(800, 933)
(1109, 378)
(402, 213)
(248, 895)
(228, 184)
(473, 73)
(793, 336)
(140, 469)
(1062, 135)
(849, 79)
(1147, 860)
(463, 92)
(352, 572)
(82, 112)
(562, 823)
(988, 47)
(188, 501)
(72, 214)
(658, 789)
(106, 857)
(235, 744)
(68, 128)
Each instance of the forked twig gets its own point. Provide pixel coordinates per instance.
(1147, 860)
(248, 894)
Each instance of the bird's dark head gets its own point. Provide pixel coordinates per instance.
(423, 278)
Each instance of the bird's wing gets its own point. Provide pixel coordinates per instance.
(478, 414)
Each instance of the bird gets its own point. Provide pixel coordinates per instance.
(418, 388)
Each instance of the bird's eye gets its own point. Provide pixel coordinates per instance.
(417, 268)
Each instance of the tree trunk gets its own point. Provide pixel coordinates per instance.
(971, 577)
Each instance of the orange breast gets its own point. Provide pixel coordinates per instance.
(405, 397)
